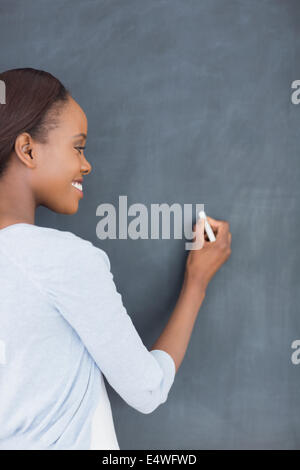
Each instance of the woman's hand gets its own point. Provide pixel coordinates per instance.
(202, 263)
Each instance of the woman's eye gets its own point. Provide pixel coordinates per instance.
(79, 149)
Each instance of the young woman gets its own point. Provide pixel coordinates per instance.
(62, 320)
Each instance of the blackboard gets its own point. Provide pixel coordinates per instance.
(189, 101)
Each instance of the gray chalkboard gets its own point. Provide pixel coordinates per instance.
(190, 102)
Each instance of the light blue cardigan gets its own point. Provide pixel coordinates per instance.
(63, 325)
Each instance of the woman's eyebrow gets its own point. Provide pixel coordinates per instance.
(80, 135)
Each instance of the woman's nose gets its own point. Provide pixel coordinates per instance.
(87, 168)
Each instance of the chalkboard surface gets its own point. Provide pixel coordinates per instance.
(190, 102)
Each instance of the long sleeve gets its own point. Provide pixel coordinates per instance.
(84, 292)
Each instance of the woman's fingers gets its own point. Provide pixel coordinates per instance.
(213, 222)
(198, 229)
(219, 227)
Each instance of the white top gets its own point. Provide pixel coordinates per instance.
(63, 325)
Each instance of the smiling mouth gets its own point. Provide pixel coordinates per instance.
(77, 185)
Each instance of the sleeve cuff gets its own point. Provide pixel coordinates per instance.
(167, 364)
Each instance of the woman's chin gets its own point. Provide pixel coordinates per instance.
(72, 210)
(66, 210)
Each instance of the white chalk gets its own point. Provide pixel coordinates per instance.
(207, 227)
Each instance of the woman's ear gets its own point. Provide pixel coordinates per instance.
(23, 149)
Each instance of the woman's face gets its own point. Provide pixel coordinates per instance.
(61, 161)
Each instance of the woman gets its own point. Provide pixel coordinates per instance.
(62, 320)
